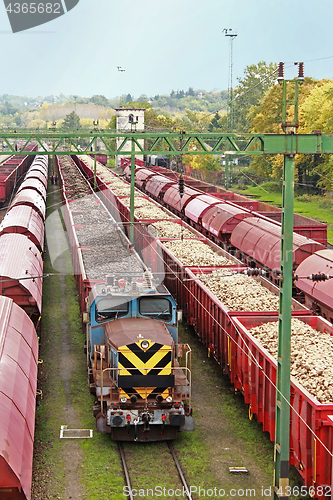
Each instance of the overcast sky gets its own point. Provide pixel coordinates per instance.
(162, 45)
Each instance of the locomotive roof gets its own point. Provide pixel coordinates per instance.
(103, 290)
(131, 330)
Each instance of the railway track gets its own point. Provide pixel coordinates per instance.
(182, 485)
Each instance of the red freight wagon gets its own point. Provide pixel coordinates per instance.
(302, 225)
(175, 269)
(104, 186)
(259, 242)
(40, 163)
(125, 161)
(10, 173)
(311, 421)
(24, 220)
(36, 173)
(211, 317)
(84, 285)
(318, 294)
(142, 175)
(101, 158)
(16, 270)
(157, 185)
(34, 184)
(220, 220)
(12, 170)
(18, 383)
(31, 198)
(196, 208)
(128, 171)
(174, 202)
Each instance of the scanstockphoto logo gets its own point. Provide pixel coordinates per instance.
(24, 15)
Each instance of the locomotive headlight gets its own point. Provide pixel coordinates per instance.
(123, 399)
(144, 344)
(168, 399)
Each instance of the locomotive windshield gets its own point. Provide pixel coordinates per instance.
(155, 307)
(112, 308)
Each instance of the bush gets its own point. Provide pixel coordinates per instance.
(272, 186)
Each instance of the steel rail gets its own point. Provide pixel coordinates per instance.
(179, 470)
(126, 474)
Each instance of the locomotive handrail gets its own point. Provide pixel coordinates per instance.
(187, 397)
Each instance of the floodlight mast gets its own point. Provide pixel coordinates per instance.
(230, 118)
(232, 35)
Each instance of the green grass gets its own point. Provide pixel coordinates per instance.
(49, 412)
(101, 473)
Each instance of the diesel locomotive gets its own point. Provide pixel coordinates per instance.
(139, 373)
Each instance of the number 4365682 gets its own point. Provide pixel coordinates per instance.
(33, 8)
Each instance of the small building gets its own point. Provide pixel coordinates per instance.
(130, 119)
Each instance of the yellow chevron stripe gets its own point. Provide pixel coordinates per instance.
(136, 362)
(123, 393)
(156, 358)
(122, 370)
(144, 368)
(144, 391)
(166, 370)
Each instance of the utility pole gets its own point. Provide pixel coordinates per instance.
(96, 123)
(133, 124)
(282, 420)
(230, 118)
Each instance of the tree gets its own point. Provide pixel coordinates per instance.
(180, 94)
(316, 113)
(113, 122)
(101, 100)
(204, 162)
(266, 117)
(258, 78)
(8, 109)
(217, 123)
(71, 121)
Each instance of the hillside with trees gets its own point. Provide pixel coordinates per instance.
(256, 108)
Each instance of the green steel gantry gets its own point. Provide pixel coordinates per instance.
(81, 142)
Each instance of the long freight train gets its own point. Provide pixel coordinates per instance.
(236, 318)
(21, 270)
(138, 372)
(243, 227)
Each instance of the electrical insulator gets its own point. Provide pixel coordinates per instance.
(254, 272)
(319, 277)
(301, 70)
(281, 71)
(181, 186)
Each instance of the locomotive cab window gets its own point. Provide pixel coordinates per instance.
(111, 308)
(156, 308)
